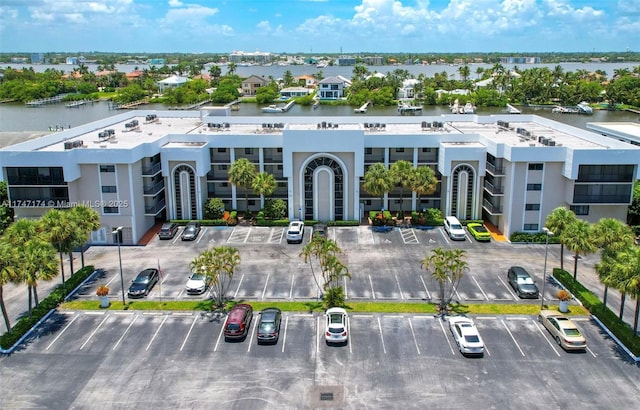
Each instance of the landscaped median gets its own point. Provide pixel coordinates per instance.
(314, 306)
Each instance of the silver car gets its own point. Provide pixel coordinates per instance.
(191, 231)
(465, 333)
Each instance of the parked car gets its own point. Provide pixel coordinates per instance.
(269, 326)
(143, 283)
(466, 335)
(191, 231)
(238, 321)
(320, 230)
(337, 328)
(198, 283)
(479, 232)
(522, 283)
(563, 330)
(454, 228)
(168, 230)
(295, 233)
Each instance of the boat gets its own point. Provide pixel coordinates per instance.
(584, 108)
(455, 108)
(558, 109)
(404, 108)
(469, 108)
(272, 108)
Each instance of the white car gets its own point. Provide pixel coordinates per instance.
(466, 335)
(337, 328)
(197, 283)
(295, 232)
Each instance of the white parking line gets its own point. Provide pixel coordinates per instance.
(478, 285)
(284, 337)
(399, 288)
(125, 333)
(512, 338)
(215, 348)
(373, 293)
(350, 334)
(591, 351)
(94, 332)
(188, 333)
(346, 293)
(546, 338)
(293, 278)
(251, 339)
(508, 288)
(203, 234)
(425, 287)
(235, 295)
(112, 279)
(156, 333)
(414, 336)
(317, 335)
(62, 331)
(384, 349)
(265, 285)
(444, 332)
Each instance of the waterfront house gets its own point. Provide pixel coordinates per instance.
(173, 81)
(333, 88)
(251, 84)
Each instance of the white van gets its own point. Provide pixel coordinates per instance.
(454, 228)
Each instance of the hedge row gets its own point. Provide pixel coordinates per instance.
(622, 330)
(538, 237)
(55, 298)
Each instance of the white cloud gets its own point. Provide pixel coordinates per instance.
(175, 3)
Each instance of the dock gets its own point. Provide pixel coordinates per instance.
(79, 103)
(288, 106)
(513, 110)
(233, 105)
(43, 101)
(363, 109)
(406, 109)
(129, 105)
(190, 107)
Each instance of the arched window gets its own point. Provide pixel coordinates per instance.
(185, 196)
(462, 192)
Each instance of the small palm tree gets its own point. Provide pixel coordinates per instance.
(36, 262)
(241, 174)
(326, 252)
(218, 264)
(401, 175)
(7, 275)
(447, 268)
(60, 231)
(86, 220)
(423, 181)
(264, 184)
(378, 181)
(626, 276)
(557, 221)
(577, 238)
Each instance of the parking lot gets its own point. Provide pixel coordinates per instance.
(180, 359)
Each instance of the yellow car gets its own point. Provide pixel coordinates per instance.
(563, 330)
(479, 231)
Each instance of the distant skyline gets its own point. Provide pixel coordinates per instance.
(319, 26)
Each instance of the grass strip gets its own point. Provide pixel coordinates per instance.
(314, 306)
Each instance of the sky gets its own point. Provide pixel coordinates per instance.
(319, 26)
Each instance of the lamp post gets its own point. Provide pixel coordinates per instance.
(117, 236)
(547, 233)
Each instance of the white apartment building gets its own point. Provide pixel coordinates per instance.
(142, 167)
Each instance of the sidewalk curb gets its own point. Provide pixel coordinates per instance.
(603, 327)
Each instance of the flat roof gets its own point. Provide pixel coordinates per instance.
(627, 130)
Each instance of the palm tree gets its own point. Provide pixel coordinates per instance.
(264, 183)
(612, 236)
(60, 231)
(464, 72)
(86, 220)
(326, 252)
(400, 173)
(36, 262)
(231, 68)
(378, 181)
(446, 267)
(577, 238)
(423, 181)
(626, 270)
(7, 274)
(218, 264)
(241, 174)
(557, 221)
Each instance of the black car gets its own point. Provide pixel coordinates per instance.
(168, 230)
(521, 282)
(269, 326)
(191, 231)
(320, 230)
(143, 283)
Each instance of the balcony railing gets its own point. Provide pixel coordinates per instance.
(494, 169)
(491, 208)
(155, 209)
(495, 190)
(154, 189)
(151, 170)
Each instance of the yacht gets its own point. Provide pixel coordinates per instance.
(469, 108)
(584, 108)
(272, 108)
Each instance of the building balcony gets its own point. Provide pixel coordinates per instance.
(495, 170)
(155, 209)
(491, 208)
(492, 189)
(154, 189)
(152, 170)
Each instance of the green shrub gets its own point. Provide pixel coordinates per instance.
(203, 222)
(213, 208)
(272, 222)
(274, 208)
(527, 237)
(343, 223)
(55, 298)
(622, 330)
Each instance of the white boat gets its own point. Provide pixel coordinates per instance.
(469, 108)
(455, 108)
(584, 108)
(272, 108)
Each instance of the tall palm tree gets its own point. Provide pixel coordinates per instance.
(612, 236)
(447, 267)
(401, 173)
(378, 181)
(423, 181)
(577, 238)
(326, 252)
(231, 68)
(7, 274)
(241, 174)
(36, 262)
(219, 264)
(557, 221)
(60, 231)
(626, 270)
(464, 72)
(87, 220)
(264, 184)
